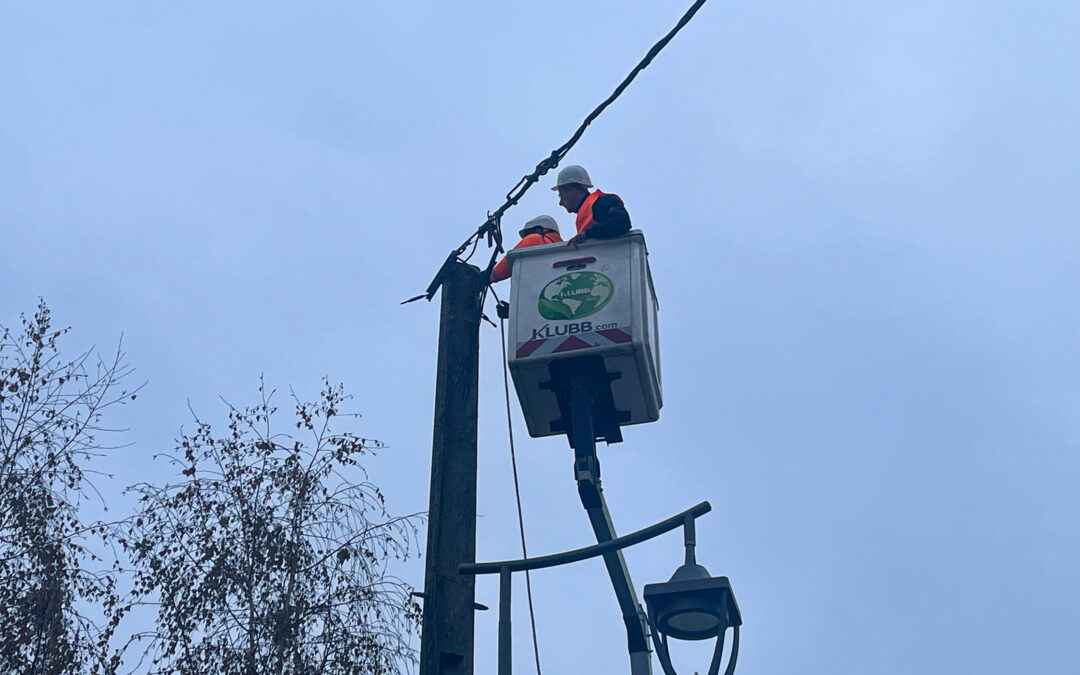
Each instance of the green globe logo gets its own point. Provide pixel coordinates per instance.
(575, 296)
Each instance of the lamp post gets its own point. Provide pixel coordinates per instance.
(693, 605)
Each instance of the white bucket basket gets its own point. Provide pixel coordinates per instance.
(596, 300)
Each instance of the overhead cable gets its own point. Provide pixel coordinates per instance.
(492, 228)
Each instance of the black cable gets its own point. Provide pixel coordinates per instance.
(492, 226)
(475, 243)
(559, 153)
(656, 49)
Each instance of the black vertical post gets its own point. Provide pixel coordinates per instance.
(505, 635)
(446, 641)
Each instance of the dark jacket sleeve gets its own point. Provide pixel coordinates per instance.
(611, 218)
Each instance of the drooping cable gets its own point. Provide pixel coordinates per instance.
(492, 227)
(517, 488)
(552, 161)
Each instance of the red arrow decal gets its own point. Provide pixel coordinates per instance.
(615, 335)
(570, 344)
(529, 347)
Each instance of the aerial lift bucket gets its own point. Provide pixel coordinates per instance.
(589, 313)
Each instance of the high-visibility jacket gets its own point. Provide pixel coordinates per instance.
(536, 238)
(602, 216)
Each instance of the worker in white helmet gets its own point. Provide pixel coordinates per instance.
(538, 231)
(599, 215)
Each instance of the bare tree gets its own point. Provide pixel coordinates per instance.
(270, 554)
(58, 600)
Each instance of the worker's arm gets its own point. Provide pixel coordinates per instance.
(502, 268)
(611, 218)
(500, 271)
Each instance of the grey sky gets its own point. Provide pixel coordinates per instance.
(862, 220)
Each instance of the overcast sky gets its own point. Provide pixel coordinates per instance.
(862, 220)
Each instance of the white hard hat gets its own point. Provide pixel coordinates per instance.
(573, 175)
(539, 221)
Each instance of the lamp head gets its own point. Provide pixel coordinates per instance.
(692, 605)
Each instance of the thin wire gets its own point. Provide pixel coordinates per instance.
(517, 490)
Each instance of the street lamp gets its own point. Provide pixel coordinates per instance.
(693, 605)
(507, 567)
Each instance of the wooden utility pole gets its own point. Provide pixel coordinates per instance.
(446, 639)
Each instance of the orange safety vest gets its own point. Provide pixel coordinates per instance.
(584, 215)
(502, 268)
